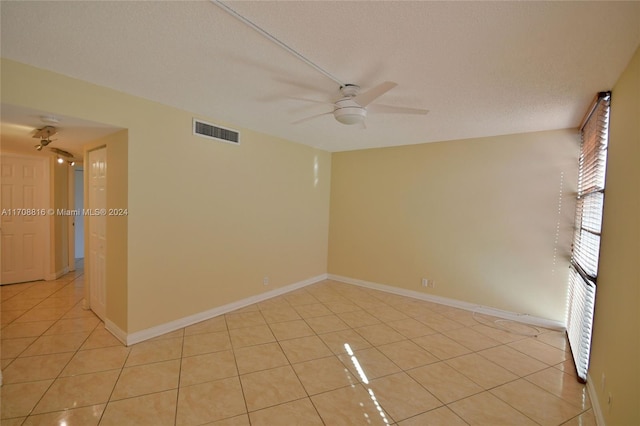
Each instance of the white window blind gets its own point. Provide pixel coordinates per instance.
(583, 273)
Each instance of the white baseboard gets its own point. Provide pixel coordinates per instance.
(57, 274)
(149, 333)
(595, 402)
(117, 332)
(514, 316)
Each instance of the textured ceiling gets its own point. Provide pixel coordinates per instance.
(481, 68)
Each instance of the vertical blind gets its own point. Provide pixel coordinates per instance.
(583, 274)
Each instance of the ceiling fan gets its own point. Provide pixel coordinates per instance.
(45, 136)
(352, 108)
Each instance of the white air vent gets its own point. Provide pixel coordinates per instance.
(211, 131)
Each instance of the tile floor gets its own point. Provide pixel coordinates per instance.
(328, 354)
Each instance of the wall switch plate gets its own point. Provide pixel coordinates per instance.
(265, 281)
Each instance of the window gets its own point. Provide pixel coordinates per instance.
(583, 274)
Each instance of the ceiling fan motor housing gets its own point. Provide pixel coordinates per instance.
(350, 90)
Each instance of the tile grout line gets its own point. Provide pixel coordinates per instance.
(175, 415)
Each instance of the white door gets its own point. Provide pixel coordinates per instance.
(97, 223)
(79, 220)
(23, 218)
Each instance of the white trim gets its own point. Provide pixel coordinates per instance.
(117, 332)
(149, 333)
(514, 316)
(56, 275)
(595, 402)
(168, 327)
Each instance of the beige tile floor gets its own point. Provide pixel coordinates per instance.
(328, 354)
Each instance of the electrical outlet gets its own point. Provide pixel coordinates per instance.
(426, 282)
(265, 281)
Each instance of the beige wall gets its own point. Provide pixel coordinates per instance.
(489, 219)
(207, 220)
(616, 335)
(220, 218)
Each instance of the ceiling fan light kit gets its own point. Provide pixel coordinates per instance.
(349, 112)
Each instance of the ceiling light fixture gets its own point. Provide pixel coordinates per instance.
(62, 152)
(349, 112)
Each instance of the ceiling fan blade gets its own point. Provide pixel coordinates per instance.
(310, 100)
(304, 86)
(312, 117)
(372, 94)
(45, 132)
(389, 109)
